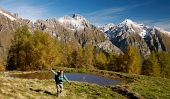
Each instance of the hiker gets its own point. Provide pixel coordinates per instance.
(59, 77)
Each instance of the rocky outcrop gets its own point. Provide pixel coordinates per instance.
(109, 47)
(138, 41)
(157, 39)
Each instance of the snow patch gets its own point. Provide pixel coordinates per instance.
(144, 33)
(7, 15)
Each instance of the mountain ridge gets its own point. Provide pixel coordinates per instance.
(78, 30)
(143, 37)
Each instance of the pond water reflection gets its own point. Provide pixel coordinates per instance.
(73, 77)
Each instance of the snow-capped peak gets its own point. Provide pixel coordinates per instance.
(127, 28)
(7, 15)
(133, 26)
(78, 17)
(129, 23)
(66, 19)
(81, 20)
(75, 22)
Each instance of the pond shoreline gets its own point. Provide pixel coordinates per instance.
(80, 77)
(101, 73)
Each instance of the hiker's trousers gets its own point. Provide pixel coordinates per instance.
(59, 89)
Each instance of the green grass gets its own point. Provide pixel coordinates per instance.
(151, 87)
(147, 87)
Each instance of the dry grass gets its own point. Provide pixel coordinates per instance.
(15, 88)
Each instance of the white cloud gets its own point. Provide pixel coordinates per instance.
(107, 11)
(100, 17)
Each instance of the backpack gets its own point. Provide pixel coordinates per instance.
(57, 80)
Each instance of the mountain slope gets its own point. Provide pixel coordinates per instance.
(157, 39)
(8, 24)
(146, 39)
(76, 31)
(129, 33)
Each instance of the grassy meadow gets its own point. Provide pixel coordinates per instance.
(132, 86)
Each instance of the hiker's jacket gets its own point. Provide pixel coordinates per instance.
(59, 78)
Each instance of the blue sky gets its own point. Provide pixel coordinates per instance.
(98, 12)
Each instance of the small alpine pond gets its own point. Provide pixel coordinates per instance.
(71, 76)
